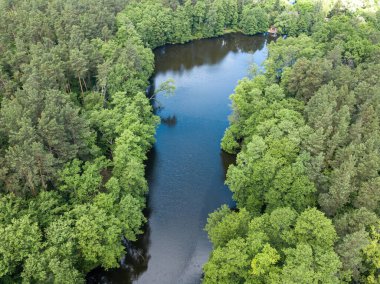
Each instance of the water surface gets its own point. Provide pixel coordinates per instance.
(186, 168)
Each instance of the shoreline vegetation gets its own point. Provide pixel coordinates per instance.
(76, 125)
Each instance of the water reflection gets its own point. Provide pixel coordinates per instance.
(186, 168)
(134, 263)
(227, 160)
(206, 51)
(170, 120)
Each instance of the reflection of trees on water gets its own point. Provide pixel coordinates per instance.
(170, 120)
(227, 160)
(206, 51)
(134, 263)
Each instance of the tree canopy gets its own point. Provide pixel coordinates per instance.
(76, 124)
(306, 135)
(75, 129)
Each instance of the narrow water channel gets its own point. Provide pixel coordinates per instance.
(186, 168)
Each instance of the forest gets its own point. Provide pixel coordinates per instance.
(307, 178)
(76, 126)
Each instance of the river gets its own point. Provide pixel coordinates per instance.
(186, 168)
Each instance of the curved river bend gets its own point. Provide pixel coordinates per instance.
(186, 168)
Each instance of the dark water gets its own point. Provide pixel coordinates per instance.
(186, 168)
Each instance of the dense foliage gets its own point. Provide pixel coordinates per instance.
(307, 134)
(259, 247)
(75, 127)
(172, 21)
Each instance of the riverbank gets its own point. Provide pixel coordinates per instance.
(186, 169)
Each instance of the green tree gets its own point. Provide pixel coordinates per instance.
(228, 264)
(20, 238)
(254, 20)
(280, 246)
(224, 225)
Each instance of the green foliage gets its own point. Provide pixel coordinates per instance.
(307, 133)
(254, 20)
(306, 77)
(286, 52)
(229, 143)
(160, 22)
(270, 171)
(98, 235)
(127, 64)
(315, 229)
(263, 264)
(19, 239)
(43, 131)
(83, 183)
(76, 126)
(223, 224)
(228, 264)
(303, 265)
(75, 130)
(281, 245)
(372, 256)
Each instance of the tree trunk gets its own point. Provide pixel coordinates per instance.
(80, 84)
(85, 85)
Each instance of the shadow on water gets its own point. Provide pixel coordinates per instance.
(170, 120)
(227, 160)
(134, 263)
(186, 168)
(205, 51)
